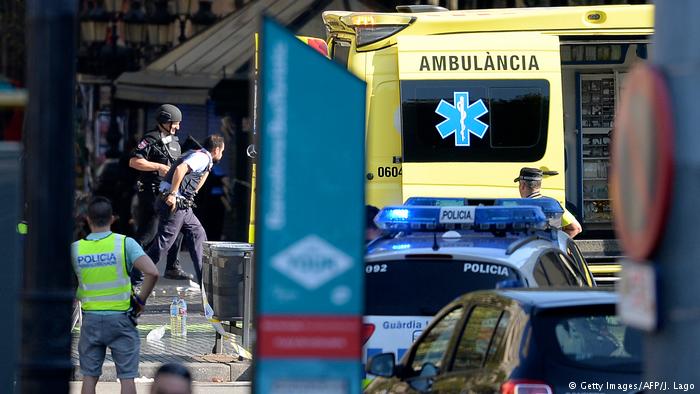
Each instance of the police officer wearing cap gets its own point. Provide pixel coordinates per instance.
(530, 183)
(155, 153)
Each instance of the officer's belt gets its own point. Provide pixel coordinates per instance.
(181, 202)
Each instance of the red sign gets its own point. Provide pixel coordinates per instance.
(642, 163)
(334, 337)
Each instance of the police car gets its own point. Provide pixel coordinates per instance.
(434, 250)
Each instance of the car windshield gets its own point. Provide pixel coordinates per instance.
(592, 341)
(421, 287)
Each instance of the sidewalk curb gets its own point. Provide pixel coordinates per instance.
(201, 372)
(145, 388)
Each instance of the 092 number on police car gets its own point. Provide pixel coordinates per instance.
(375, 268)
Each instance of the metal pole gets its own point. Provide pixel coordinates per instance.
(47, 296)
(10, 187)
(673, 354)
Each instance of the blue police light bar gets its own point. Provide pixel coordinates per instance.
(486, 218)
(550, 206)
(502, 218)
(406, 218)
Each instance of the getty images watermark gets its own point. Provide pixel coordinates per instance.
(598, 387)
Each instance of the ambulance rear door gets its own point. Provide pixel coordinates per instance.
(475, 108)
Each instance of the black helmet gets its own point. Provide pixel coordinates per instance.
(168, 113)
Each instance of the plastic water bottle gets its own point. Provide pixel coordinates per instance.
(175, 318)
(183, 317)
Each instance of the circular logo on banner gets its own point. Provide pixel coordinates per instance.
(642, 164)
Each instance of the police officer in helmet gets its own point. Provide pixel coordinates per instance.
(155, 153)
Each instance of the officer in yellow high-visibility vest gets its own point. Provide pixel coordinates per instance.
(102, 262)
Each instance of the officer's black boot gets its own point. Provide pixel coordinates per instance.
(177, 273)
(174, 271)
(172, 267)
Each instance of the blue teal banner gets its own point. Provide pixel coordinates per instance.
(310, 220)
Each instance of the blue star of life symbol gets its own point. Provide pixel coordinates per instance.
(461, 118)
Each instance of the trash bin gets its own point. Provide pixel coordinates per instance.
(225, 270)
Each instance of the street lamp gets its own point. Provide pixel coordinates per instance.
(182, 9)
(87, 25)
(115, 58)
(158, 25)
(113, 6)
(100, 18)
(203, 18)
(134, 33)
(93, 30)
(135, 25)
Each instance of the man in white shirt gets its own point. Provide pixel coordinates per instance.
(178, 188)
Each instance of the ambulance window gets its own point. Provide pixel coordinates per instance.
(515, 118)
(341, 52)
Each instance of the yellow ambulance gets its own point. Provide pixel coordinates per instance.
(459, 101)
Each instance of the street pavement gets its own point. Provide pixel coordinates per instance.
(195, 351)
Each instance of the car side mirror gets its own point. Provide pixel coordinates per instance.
(424, 381)
(429, 370)
(383, 365)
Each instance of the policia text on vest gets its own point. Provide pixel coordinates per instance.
(102, 271)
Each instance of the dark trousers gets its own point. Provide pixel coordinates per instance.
(171, 223)
(147, 221)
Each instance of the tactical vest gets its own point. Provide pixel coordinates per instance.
(100, 265)
(189, 183)
(161, 153)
